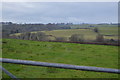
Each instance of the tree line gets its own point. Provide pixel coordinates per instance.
(12, 28)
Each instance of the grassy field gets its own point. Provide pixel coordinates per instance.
(108, 30)
(104, 29)
(67, 53)
(89, 34)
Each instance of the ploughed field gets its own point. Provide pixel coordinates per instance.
(56, 52)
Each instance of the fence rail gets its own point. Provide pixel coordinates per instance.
(8, 73)
(56, 65)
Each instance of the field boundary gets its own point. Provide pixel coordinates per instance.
(96, 43)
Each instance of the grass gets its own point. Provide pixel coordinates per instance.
(108, 30)
(104, 29)
(55, 52)
(88, 33)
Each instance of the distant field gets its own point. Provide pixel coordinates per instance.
(67, 53)
(89, 34)
(108, 30)
(104, 29)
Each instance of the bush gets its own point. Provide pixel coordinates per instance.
(77, 38)
(96, 30)
(100, 38)
(39, 36)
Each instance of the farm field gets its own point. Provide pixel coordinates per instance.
(56, 52)
(108, 30)
(104, 29)
(89, 34)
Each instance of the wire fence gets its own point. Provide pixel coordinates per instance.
(55, 65)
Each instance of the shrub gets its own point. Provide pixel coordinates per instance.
(96, 30)
(99, 38)
(77, 38)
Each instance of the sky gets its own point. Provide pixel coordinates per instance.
(60, 12)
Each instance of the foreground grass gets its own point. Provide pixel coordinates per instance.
(67, 53)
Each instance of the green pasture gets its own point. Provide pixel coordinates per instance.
(56, 52)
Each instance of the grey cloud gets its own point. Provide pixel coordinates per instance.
(77, 12)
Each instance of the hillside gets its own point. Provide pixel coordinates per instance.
(67, 53)
(89, 34)
(108, 31)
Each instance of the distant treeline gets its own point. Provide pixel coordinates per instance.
(12, 28)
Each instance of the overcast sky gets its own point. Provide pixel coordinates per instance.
(57, 12)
